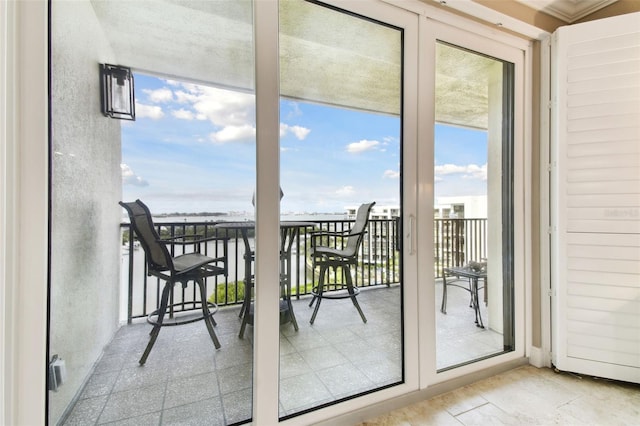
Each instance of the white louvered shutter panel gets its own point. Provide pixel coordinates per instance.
(595, 151)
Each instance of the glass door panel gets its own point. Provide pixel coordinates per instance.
(340, 146)
(190, 157)
(473, 214)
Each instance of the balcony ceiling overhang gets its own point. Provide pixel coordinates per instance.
(211, 42)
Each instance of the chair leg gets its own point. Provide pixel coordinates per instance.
(292, 315)
(313, 299)
(286, 294)
(443, 306)
(164, 301)
(245, 321)
(244, 301)
(246, 311)
(245, 304)
(313, 272)
(208, 319)
(248, 282)
(152, 340)
(347, 270)
(323, 269)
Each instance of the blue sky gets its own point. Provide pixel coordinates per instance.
(192, 149)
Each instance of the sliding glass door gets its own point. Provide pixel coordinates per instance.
(476, 219)
(473, 208)
(341, 165)
(394, 141)
(190, 156)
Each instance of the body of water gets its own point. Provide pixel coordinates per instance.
(242, 217)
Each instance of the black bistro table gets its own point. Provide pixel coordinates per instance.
(289, 231)
(472, 276)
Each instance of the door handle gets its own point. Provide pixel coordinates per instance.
(411, 234)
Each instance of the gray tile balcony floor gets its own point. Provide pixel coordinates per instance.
(187, 381)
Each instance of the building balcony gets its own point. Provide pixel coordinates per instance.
(186, 380)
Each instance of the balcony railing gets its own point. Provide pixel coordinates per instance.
(456, 242)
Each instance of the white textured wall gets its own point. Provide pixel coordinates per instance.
(86, 188)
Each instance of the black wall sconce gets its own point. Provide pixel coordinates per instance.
(116, 92)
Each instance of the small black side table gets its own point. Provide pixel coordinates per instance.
(473, 276)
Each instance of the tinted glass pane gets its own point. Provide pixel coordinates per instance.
(190, 157)
(473, 208)
(340, 148)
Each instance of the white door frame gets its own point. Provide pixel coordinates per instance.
(25, 196)
(519, 53)
(25, 209)
(408, 22)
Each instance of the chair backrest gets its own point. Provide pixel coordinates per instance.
(357, 231)
(158, 256)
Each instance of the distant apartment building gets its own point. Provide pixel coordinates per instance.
(468, 206)
(460, 234)
(459, 231)
(377, 212)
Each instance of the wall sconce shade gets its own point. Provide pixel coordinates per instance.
(116, 92)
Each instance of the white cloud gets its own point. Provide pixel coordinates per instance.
(346, 191)
(183, 97)
(362, 146)
(391, 174)
(221, 107)
(148, 111)
(470, 171)
(183, 114)
(159, 95)
(231, 112)
(234, 134)
(476, 172)
(298, 131)
(449, 169)
(294, 110)
(130, 178)
(390, 139)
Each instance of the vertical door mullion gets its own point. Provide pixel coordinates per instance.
(266, 332)
(424, 181)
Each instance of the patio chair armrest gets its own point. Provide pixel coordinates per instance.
(343, 234)
(322, 233)
(330, 233)
(197, 238)
(195, 241)
(317, 235)
(178, 239)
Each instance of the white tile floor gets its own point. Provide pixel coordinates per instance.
(526, 396)
(186, 381)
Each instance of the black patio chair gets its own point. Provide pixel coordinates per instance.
(179, 269)
(341, 256)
